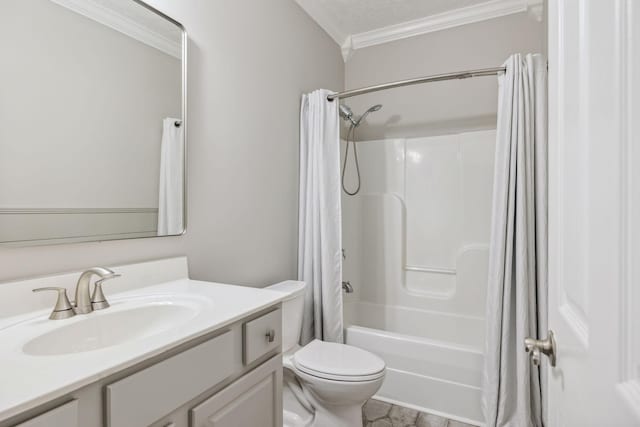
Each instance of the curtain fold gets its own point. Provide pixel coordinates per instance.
(171, 192)
(517, 287)
(319, 230)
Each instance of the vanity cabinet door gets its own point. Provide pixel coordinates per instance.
(65, 415)
(253, 400)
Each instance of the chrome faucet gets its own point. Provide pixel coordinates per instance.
(85, 302)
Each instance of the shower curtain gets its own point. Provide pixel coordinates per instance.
(171, 195)
(517, 288)
(319, 221)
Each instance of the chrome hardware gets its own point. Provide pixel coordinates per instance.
(83, 297)
(271, 335)
(427, 79)
(346, 286)
(63, 308)
(546, 347)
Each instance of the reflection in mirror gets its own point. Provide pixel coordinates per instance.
(91, 121)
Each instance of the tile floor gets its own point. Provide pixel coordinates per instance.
(376, 413)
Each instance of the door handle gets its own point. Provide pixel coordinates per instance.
(546, 346)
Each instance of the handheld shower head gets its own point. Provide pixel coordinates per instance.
(347, 114)
(376, 107)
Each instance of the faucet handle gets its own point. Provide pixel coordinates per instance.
(63, 308)
(98, 300)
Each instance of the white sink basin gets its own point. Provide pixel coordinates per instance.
(106, 328)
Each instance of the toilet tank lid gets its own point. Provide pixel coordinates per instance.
(293, 288)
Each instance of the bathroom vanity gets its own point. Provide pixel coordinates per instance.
(169, 351)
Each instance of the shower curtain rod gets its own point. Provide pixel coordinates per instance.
(428, 79)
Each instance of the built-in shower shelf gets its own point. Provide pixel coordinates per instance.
(449, 271)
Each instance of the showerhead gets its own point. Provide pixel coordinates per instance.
(376, 107)
(347, 114)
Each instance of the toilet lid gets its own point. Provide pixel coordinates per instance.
(338, 362)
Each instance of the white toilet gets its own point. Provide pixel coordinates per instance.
(325, 384)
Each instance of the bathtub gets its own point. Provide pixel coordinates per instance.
(426, 369)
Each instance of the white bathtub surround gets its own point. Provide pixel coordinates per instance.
(187, 308)
(417, 234)
(171, 195)
(319, 231)
(416, 239)
(517, 292)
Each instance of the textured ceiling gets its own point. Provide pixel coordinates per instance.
(357, 16)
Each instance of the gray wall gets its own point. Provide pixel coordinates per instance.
(249, 61)
(443, 107)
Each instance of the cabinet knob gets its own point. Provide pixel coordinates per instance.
(271, 335)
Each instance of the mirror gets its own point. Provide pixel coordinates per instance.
(92, 121)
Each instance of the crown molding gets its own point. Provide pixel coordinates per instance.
(347, 49)
(123, 24)
(536, 9)
(442, 21)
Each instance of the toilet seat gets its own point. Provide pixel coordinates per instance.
(338, 362)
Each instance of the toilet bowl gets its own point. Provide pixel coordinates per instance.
(325, 384)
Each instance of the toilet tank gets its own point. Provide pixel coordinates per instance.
(292, 308)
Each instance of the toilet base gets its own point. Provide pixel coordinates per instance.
(337, 403)
(291, 419)
(338, 416)
(322, 414)
(295, 414)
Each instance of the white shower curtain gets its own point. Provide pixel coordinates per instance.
(171, 195)
(517, 289)
(320, 232)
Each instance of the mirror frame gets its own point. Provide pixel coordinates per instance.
(185, 43)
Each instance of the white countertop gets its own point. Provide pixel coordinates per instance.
(28, 381)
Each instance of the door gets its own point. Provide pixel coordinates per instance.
(253, 400)
(594, 212)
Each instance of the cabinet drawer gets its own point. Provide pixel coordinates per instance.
(261, 335)
(152, 393)
(65, 415)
